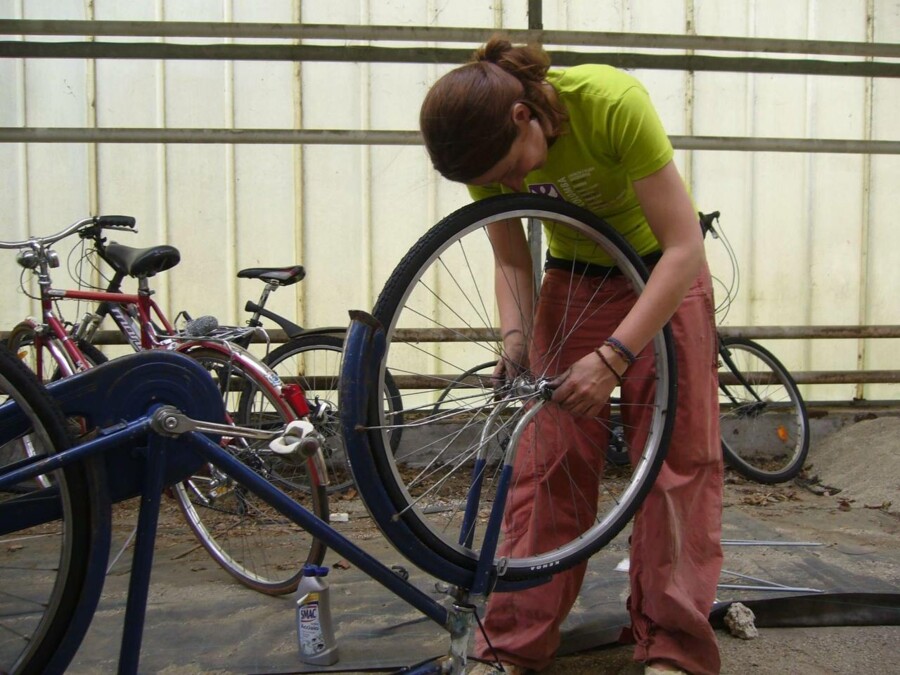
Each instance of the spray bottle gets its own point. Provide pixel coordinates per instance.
(315, 633)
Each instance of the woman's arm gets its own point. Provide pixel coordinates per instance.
(586, 387)
(514, 289)
(670, 213)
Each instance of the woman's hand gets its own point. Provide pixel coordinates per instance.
(585, 388)
(514, 359)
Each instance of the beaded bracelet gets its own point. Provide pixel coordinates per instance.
(621, 350)
(608, 365)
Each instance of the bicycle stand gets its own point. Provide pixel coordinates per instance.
(135, 401)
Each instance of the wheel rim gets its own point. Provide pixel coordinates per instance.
(247, 537)
(429, 475)
(38, 360)
(316, 367)
(763, 425)
(34, 562)
(314, 363)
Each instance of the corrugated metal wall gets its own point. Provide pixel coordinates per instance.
(814, 233)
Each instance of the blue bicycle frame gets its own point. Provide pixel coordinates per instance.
(135, 401)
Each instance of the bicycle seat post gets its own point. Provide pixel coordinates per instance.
(254, 321)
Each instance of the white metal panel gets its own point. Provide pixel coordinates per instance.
(837, 108)
(881, 305)
(51, 179)
(13, 191)
(334, 216)
(267, 205)
(780, 184)
(720, 180)
(199, 178)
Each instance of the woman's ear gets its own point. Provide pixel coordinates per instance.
(521, 114)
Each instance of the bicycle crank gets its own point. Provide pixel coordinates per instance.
(297, 439)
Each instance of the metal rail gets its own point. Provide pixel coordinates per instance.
(373, 54)
(390, 137)
(440, 381)
(367, 33)
(114, 337)
(277, 336)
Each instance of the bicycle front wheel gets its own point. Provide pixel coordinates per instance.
(314, 363)
(765, 426)
(46, 359)
(440, 316)
(252, 541)
(54, 539)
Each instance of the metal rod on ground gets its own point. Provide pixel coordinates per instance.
(753, 542)
(765, 585)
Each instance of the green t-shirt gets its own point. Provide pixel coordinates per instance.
(613, 137)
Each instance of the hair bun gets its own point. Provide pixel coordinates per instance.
(494, 50)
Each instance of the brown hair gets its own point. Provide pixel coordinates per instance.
(466, 118)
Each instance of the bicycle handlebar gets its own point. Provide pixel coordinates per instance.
(84, 225)
(706, 223)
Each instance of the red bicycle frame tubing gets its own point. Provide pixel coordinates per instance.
(59, 332)
(146, 306)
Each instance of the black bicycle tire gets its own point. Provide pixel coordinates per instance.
(388, 305)
(795, 465)
(315, 555)
(284, 351)
(84, 557)
(94, 356)
(305, 343)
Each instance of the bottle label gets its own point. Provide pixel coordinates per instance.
(309, 627)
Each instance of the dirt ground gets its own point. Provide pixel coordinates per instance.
(848, 505)
(848, 499)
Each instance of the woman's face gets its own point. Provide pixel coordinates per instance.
(527, 153)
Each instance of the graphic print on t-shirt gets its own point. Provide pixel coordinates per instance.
(545, 190)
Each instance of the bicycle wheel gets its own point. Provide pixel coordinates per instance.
(765, 427)
(439, 313)
(48, 366)
(472, 383)
(314, 363)
(53, 541)
(252, 541)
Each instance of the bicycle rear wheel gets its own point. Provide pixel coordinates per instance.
(765, 427)
(439, 313)
(252, 541)
(314, 363)
(54, 540)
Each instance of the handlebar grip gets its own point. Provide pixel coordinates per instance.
(117, 222)
(706, 221)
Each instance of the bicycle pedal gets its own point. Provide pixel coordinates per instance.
(299, 438)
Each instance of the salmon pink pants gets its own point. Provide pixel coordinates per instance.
(676, 553)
